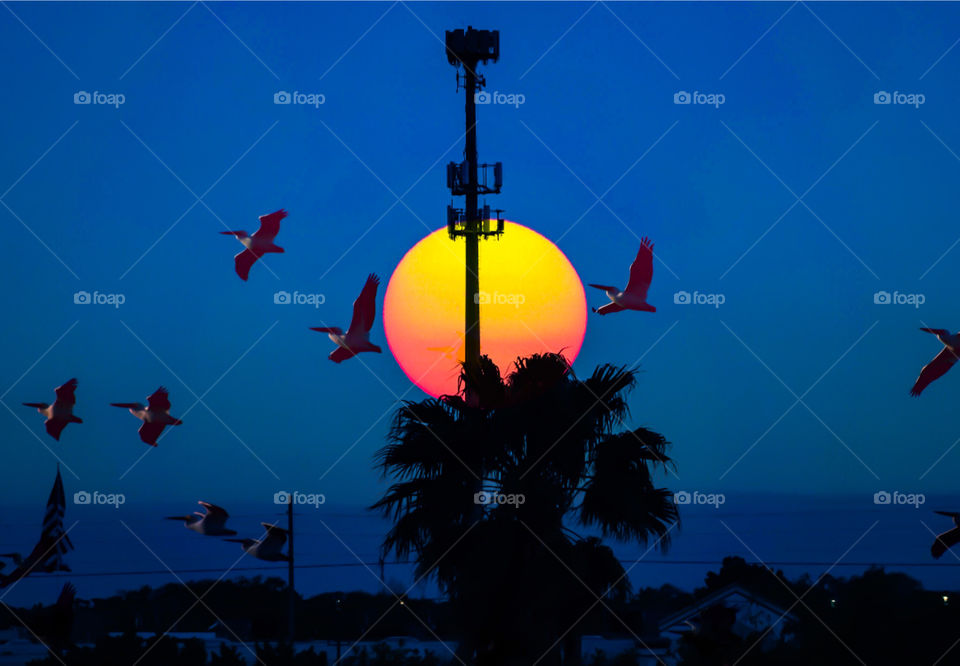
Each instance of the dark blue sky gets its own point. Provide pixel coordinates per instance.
(109, 208)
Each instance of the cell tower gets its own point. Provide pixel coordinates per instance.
(469, 179)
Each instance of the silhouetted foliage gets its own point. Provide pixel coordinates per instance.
(542, 441)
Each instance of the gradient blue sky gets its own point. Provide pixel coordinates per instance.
(799, 109)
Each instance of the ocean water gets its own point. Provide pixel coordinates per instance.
(337, 546)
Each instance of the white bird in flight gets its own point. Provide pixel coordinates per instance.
(269, 548)
(60, 413)
(357, 338)
(155, 416)
(208, 523)
(259, 244)
(948, 539)
(941, 362)
(634, 297)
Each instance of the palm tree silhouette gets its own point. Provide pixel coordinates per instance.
(486, 490)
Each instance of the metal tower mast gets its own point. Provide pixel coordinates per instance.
(467, 49)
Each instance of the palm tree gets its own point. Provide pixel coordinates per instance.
(487, 485)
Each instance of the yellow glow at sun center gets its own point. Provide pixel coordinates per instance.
(531, 301)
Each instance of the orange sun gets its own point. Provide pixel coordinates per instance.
(531, 301)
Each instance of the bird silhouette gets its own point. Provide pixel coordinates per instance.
(941, 362)
(259, 244)
(60, 413)
(634, 297)
(155, 415)
(357, 338)
(269, 548)
(210, 522)
(948, 539)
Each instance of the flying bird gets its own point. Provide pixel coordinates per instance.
(60, 413)
(941, 362)
(634, 297)
(948, 539)
(155, 416)
(267, 548)
(259, 244)
(210, 522)
(357, 338)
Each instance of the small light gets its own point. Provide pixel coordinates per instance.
(946, 599)
(833, 603)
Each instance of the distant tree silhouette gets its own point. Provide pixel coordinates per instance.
(519, 578)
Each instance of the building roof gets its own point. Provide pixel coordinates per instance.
(694, 609)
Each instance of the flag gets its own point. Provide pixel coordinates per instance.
(53, 535)
(47, 554)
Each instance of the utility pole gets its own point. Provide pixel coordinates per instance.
(291, 590)
(467, 49)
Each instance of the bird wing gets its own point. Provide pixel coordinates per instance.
(336, 330)
(609, 308)
(149, 432)
(65, 393)
(936, 331)
(128, 405)
(641, 270)
(934, 370)
(214, 510)
(945, 541)
(159, 401)
(341, 354)
(55, 427)
(275, 535)
(270, 225)
(365, 307)
(242, 261)
(951, 514)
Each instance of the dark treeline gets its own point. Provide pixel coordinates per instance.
(881, 617)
